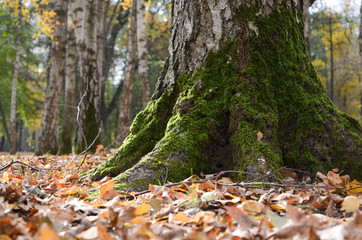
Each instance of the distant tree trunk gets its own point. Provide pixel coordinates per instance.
(306, 17)
(108, 61)
(86, 19)
(3, 121)
(68, 123)
(142, 52)
(100, 59)
(15, 81)
(331, 49)
(48, 131)
(360, 54)
(238, 91)
(125, 111)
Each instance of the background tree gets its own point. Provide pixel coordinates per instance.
(15, 81)
(142, 52)
(86, 18)
(218, 91)
(48, 131)
(68, 123)
(125, 114)
(306, 18)
(340, 29)
(360, 54)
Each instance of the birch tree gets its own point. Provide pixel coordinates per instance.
(15, 80)
(48, 132)
(86, 18)
(68, 123)
(142, 52)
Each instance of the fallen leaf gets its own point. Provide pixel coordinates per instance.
(180, 217)
(47, 233)
(259, 136)
(350, 204)
(102, 232)
(107, 191)
(142, 209)
(91, 233)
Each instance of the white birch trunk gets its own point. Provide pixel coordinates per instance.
(85, 15)
(142, 52)
(66, 135)
(48, 132)
(15, 81)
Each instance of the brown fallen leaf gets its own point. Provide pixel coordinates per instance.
(107, 191)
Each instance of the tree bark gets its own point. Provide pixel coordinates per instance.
(125, 108)
(68, 124)
(236, 70)
(108, 61)
(331, 49)
(360, 54)
(306, 18)
(48, 131)
(86, 17)
(3, 121)
(142, 52)
(15, 81)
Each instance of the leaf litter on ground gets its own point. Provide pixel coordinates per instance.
(43, 198)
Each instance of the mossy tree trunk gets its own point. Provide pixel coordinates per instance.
(236, 68)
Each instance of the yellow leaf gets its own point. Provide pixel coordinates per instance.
(181, 217)
(142, 209)
(259, 136)
(350, 204)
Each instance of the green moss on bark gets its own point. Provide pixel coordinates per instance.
(312, 133)
(147, 129)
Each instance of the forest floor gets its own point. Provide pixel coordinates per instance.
(43, 198)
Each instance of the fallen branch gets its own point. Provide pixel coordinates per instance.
(24, 164)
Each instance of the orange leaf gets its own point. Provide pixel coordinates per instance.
(142, 209)
(47, 233)
(108, 191)
(252, 207)
(181, 217)
(102, 232)
(202, 217)
(75, 176)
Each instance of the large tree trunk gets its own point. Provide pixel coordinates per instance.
(86, 17)
(236, 68)
(68, 124)
(142, 52)
(15, 81)
(125, 112)
(48, 131)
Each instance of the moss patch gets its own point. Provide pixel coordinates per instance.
(147, 129)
